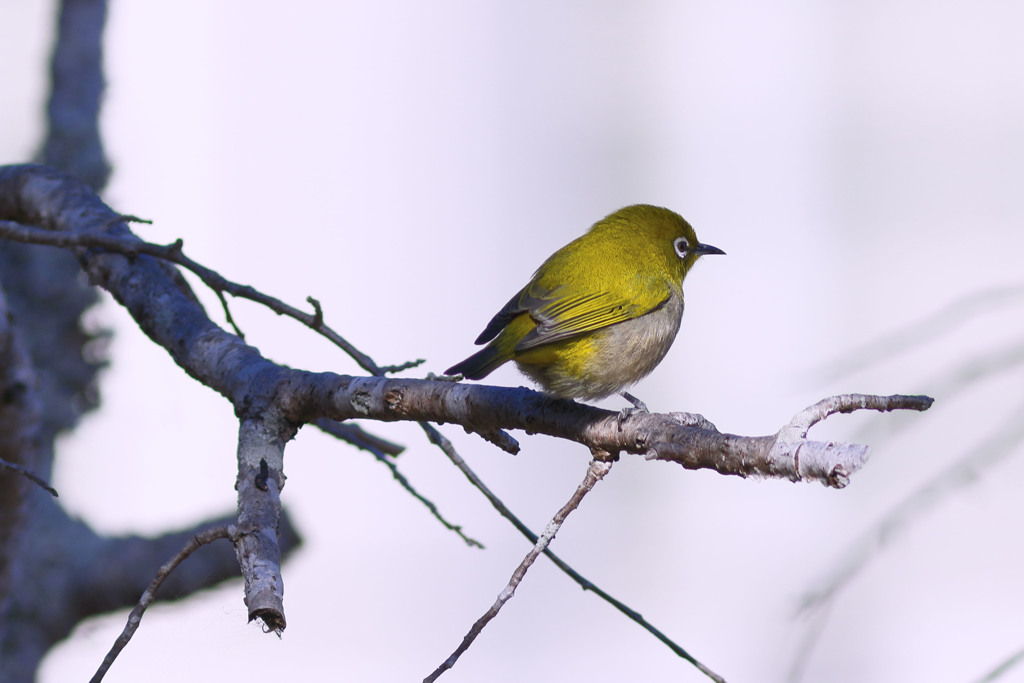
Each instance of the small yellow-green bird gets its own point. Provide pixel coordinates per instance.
(601, 312)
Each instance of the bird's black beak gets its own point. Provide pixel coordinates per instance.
(703, 249)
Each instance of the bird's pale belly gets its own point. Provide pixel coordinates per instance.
(606, 361)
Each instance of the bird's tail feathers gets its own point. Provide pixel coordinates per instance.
(479, 365)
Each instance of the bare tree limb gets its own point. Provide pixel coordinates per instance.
(483, 408)
(20, 447)
(260, 480)
(73, 141)
(801, 459)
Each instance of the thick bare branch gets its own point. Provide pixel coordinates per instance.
(260, 480)
(787, 454)
(73, 142)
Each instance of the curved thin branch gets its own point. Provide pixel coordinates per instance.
(135, 618)
(595, 473)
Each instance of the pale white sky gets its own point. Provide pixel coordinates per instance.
(410, 164)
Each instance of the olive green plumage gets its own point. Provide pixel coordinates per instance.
(601, 312)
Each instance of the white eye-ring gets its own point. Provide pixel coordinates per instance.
(681, 246)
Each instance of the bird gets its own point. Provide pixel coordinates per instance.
(601, 312)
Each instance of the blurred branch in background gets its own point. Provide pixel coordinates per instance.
(966, 470)
(914, 335)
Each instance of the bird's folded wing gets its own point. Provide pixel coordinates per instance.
(561, 314)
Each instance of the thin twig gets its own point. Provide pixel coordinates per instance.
(812, 634)
(596, 472)
(135, 618)
(30, 475)
(359, 437)
(344, 431)
(449, 450)
(407, 365)
(211, 278)
(227, 314)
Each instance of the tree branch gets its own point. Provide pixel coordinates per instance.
(260, 480)
(73, 141)
(787, 454)
(20, 421)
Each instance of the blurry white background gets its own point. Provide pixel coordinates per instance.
(410, 164)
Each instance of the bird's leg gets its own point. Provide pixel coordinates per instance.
(638, 407)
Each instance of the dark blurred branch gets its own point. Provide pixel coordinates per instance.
(20, 425)
(73, 142)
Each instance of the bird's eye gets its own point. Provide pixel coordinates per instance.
(682, 246)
